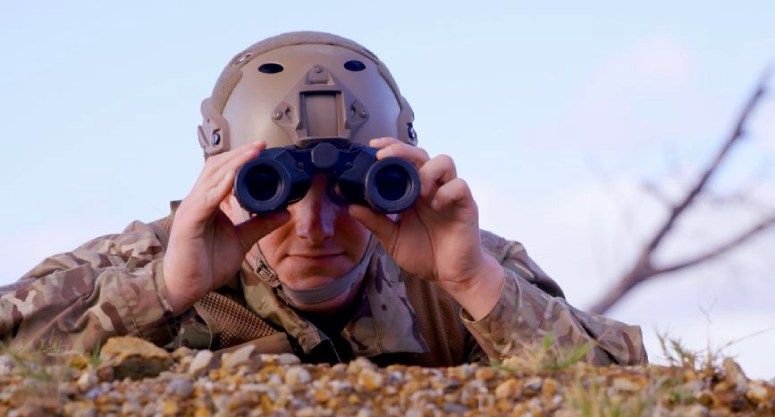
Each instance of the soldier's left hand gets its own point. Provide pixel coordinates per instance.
(438, 238)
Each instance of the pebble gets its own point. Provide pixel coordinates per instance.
(506, 389)
(201, 361)
(180, 386)
(134, 358)
(283, 387)
(241, 356)
(87, 380)
(288, 359)
(532, 385)
(297, 375)
(7, 364)
(360, 364)
(484, 374)
(734, 375)
(626, 385)
(369, 380)
(757, 392)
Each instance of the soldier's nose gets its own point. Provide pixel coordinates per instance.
(315, 214)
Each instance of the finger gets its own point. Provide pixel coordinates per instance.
(253, 229)
(216, 162)
(236, 160)
(382, 227)
(417, 156)
(435, 173)
(217, 177)
(383, 142)
(454, 193)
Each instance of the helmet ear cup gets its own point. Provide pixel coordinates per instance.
(213, 133)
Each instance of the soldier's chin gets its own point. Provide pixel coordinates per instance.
(303, 274)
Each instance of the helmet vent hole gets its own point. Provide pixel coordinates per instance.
(270, 68)
(354, 65)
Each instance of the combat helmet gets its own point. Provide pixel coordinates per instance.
(301, 87)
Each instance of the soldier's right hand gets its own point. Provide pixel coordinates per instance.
(206, 247)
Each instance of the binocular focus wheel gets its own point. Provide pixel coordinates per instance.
(263, 185)
(392, 185)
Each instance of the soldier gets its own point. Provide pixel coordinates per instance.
(324, 280)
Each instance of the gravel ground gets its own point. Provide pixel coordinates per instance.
(133, 378)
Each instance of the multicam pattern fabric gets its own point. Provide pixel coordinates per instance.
(113, 285)
(109, 286)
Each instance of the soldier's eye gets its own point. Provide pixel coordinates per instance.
(354, 65)
(270, 68)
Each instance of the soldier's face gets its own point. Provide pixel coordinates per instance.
(320, 242)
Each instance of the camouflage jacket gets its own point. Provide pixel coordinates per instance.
(113, 285)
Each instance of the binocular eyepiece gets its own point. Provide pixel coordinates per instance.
(281, 176)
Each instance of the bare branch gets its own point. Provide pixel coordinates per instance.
(719, 250)
(644, 269)
(737, 133)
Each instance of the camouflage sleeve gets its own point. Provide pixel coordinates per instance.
(532, 306)
(112, 285)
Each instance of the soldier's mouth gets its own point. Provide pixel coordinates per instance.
(319, 256)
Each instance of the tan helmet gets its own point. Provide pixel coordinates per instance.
(301, 87)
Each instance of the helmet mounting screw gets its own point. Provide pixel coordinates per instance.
(215, 138)
(277, 115)
(318, 69)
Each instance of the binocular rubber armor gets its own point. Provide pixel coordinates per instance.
(281, 176)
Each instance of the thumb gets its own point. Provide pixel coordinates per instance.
(253, 229)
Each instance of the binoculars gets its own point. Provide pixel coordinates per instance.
(281, 176)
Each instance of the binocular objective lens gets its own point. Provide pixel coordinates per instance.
(392, 182)
(263, 183)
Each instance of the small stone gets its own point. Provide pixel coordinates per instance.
(7, 364)
(83, 410)
(169, 408)
(369, 380)
(131, 408)
(549, 387)
(288, 359)
(625, 385)
(87, 380)
(181, 353)
(93, 393)
(200, 363)
(134, 357)
(484, 374)
(532, 385)
(705, 398)
(696, 410)
(297, 375)
(359, 364)
(453, 408)
(506, 389)
(105, 373)
(756, 392)
(306, 412)
(364, 412)
(734, 374)
(180, 386)
(321, 395)
(241, 356)
(76, 360)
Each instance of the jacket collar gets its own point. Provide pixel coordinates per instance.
(383, 320)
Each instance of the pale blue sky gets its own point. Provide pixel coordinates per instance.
(552, 112)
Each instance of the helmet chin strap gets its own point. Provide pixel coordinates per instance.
(328, 291)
